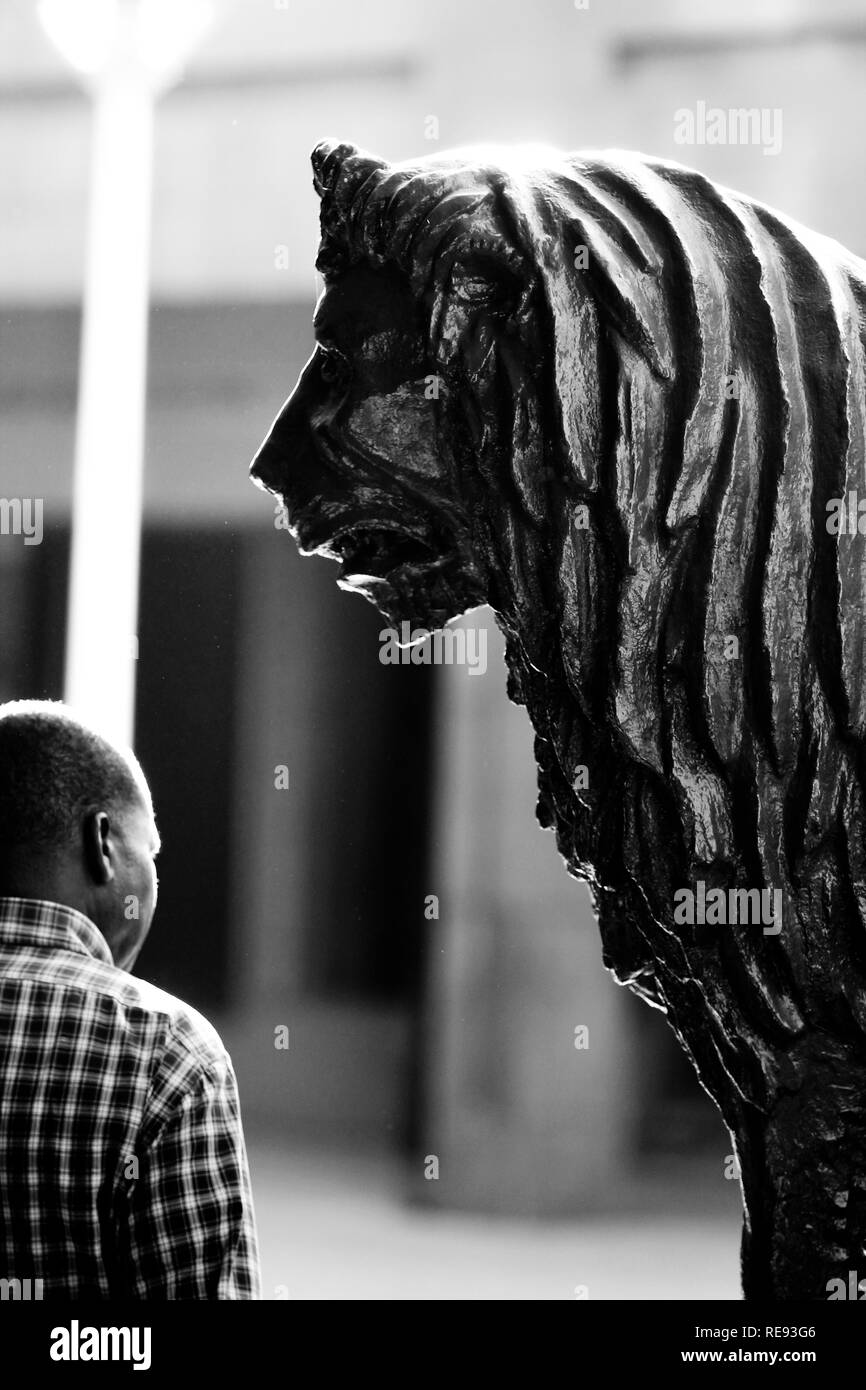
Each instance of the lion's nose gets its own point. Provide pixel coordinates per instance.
(287, 460)
(266, 468)
(288, 464)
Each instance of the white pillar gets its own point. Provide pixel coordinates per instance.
(107, 499)
(127, 52)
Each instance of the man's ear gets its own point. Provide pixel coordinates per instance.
(98, 853)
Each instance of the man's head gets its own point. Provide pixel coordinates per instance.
(76, 823)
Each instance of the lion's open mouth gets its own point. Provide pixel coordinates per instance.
(411, 570)
(379, 552)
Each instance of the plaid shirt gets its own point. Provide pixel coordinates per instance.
(123, 1171)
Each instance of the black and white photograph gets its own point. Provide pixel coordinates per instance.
(432, 645)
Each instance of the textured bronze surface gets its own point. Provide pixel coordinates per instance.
(626, 408)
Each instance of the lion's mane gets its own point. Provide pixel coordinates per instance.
(654, 386)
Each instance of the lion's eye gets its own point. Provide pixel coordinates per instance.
(334, 367)
(474, 289)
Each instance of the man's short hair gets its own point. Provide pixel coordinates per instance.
(53, 770)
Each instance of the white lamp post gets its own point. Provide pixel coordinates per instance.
(127, 52)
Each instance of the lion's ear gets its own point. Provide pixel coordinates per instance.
(340, 173)
(335, 162)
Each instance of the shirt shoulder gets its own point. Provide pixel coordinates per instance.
(188, 1030)
(173, 1050)
(190, 1066)
(76, 974)
(191, 1057)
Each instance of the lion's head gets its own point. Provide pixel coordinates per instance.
(613, 400)
(427, 395)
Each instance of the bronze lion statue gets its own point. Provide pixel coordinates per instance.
(625, 407)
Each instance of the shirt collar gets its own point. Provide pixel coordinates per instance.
(53, 926)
